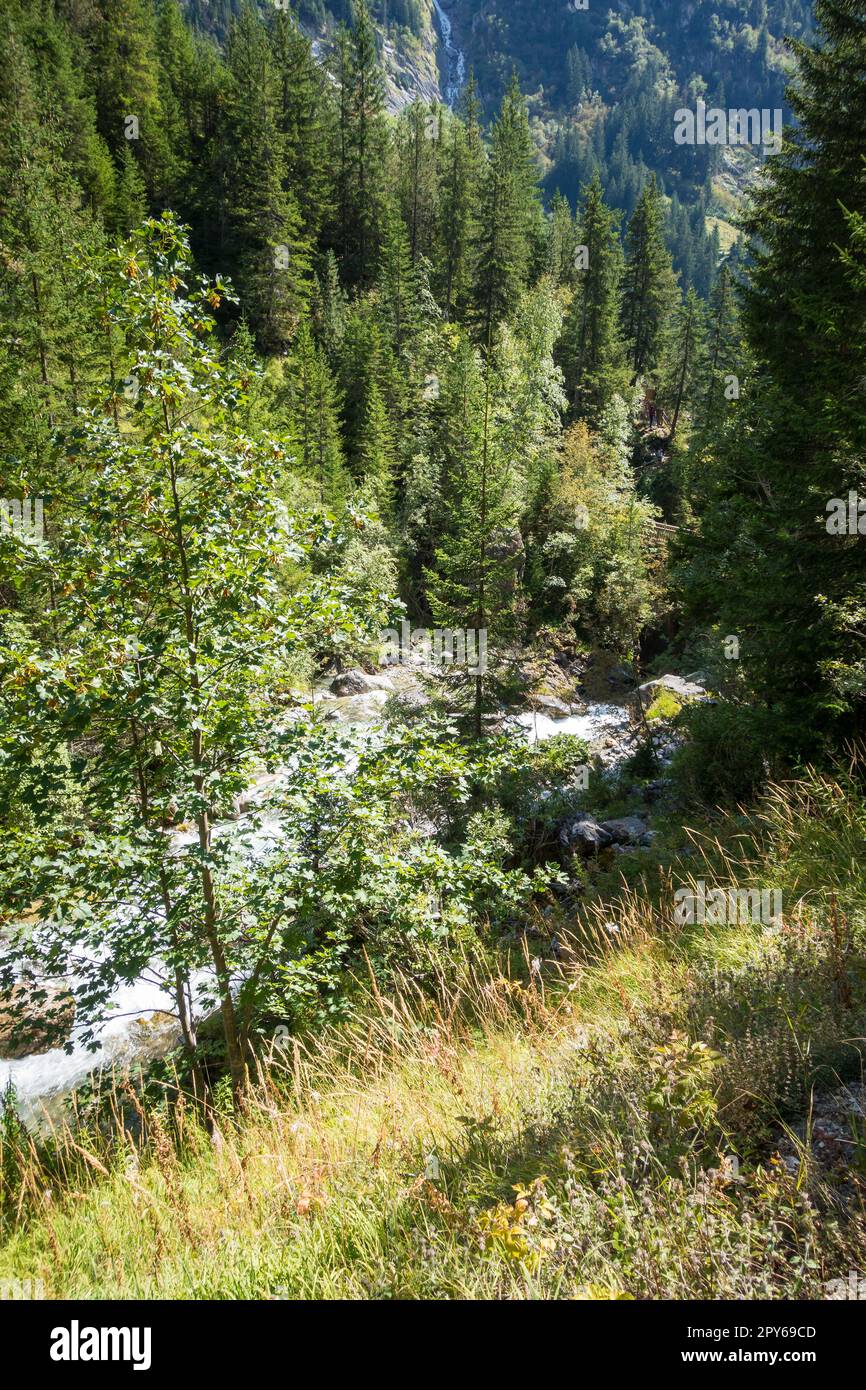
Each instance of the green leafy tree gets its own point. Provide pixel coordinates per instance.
(176, 630)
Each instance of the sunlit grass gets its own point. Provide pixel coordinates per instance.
(554, 1132)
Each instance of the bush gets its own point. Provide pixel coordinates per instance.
(728, 754)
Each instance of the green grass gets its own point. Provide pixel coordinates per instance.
(566, 1133)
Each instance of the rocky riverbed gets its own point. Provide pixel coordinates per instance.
(140, 1025)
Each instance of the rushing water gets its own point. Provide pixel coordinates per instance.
(455, 59)
(140, 1026)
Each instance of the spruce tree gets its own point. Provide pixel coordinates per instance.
(472, 581)
(510, 224)
(592, 351)
(685, 357)
(314, 421)
(270, 256)
(649, 285)
(462, 174)
(362, 142)
(305, 118)
(775, 562)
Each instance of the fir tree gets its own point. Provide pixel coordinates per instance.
(270, 253)
(471, 583)
(649, 286)
(592, 346)
(510, 224)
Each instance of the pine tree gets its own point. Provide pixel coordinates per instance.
(305, 118)
(362, 144)
(328, 306)
(685, 356)
(314, 425)
(561, 241)
(462, 174)
(130, 200)
(768, 564)
(471, 583)
(725, 354)
(269, 252)
(649, 286)
(51, 253)
(510, 222)
(129, 100)
(418, 145)
(592, 345)
(377, 455)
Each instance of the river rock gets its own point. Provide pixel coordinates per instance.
(655, 789)
(677, 685)
(357, 682)
(34, 1018)
(549, 704)
(625, 830)
(584, 835)
(411, 702)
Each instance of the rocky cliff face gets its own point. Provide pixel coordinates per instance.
(428, 64)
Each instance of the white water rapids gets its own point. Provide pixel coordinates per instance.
(139, 1025)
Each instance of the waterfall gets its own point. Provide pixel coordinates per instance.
(455, 59)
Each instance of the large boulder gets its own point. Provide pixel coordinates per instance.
(357, 682)
(677, 685)
(34, 1018)
(625, 830)
(583, 835)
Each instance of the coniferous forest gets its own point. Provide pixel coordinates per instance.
(432, 589)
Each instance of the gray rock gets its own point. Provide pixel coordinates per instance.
(357, 682)
(411, 702)
(677, 685)
(584, 835)
(549, 704)
(625, 830)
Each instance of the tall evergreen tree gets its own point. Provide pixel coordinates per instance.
(592, 345)
(462, 167)
(777, 560)
(270, 254)
(649, 286)
(314, 424)
(685, 355)
(362, 143)
(471, 583)
(305, 118)
(510, 224)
